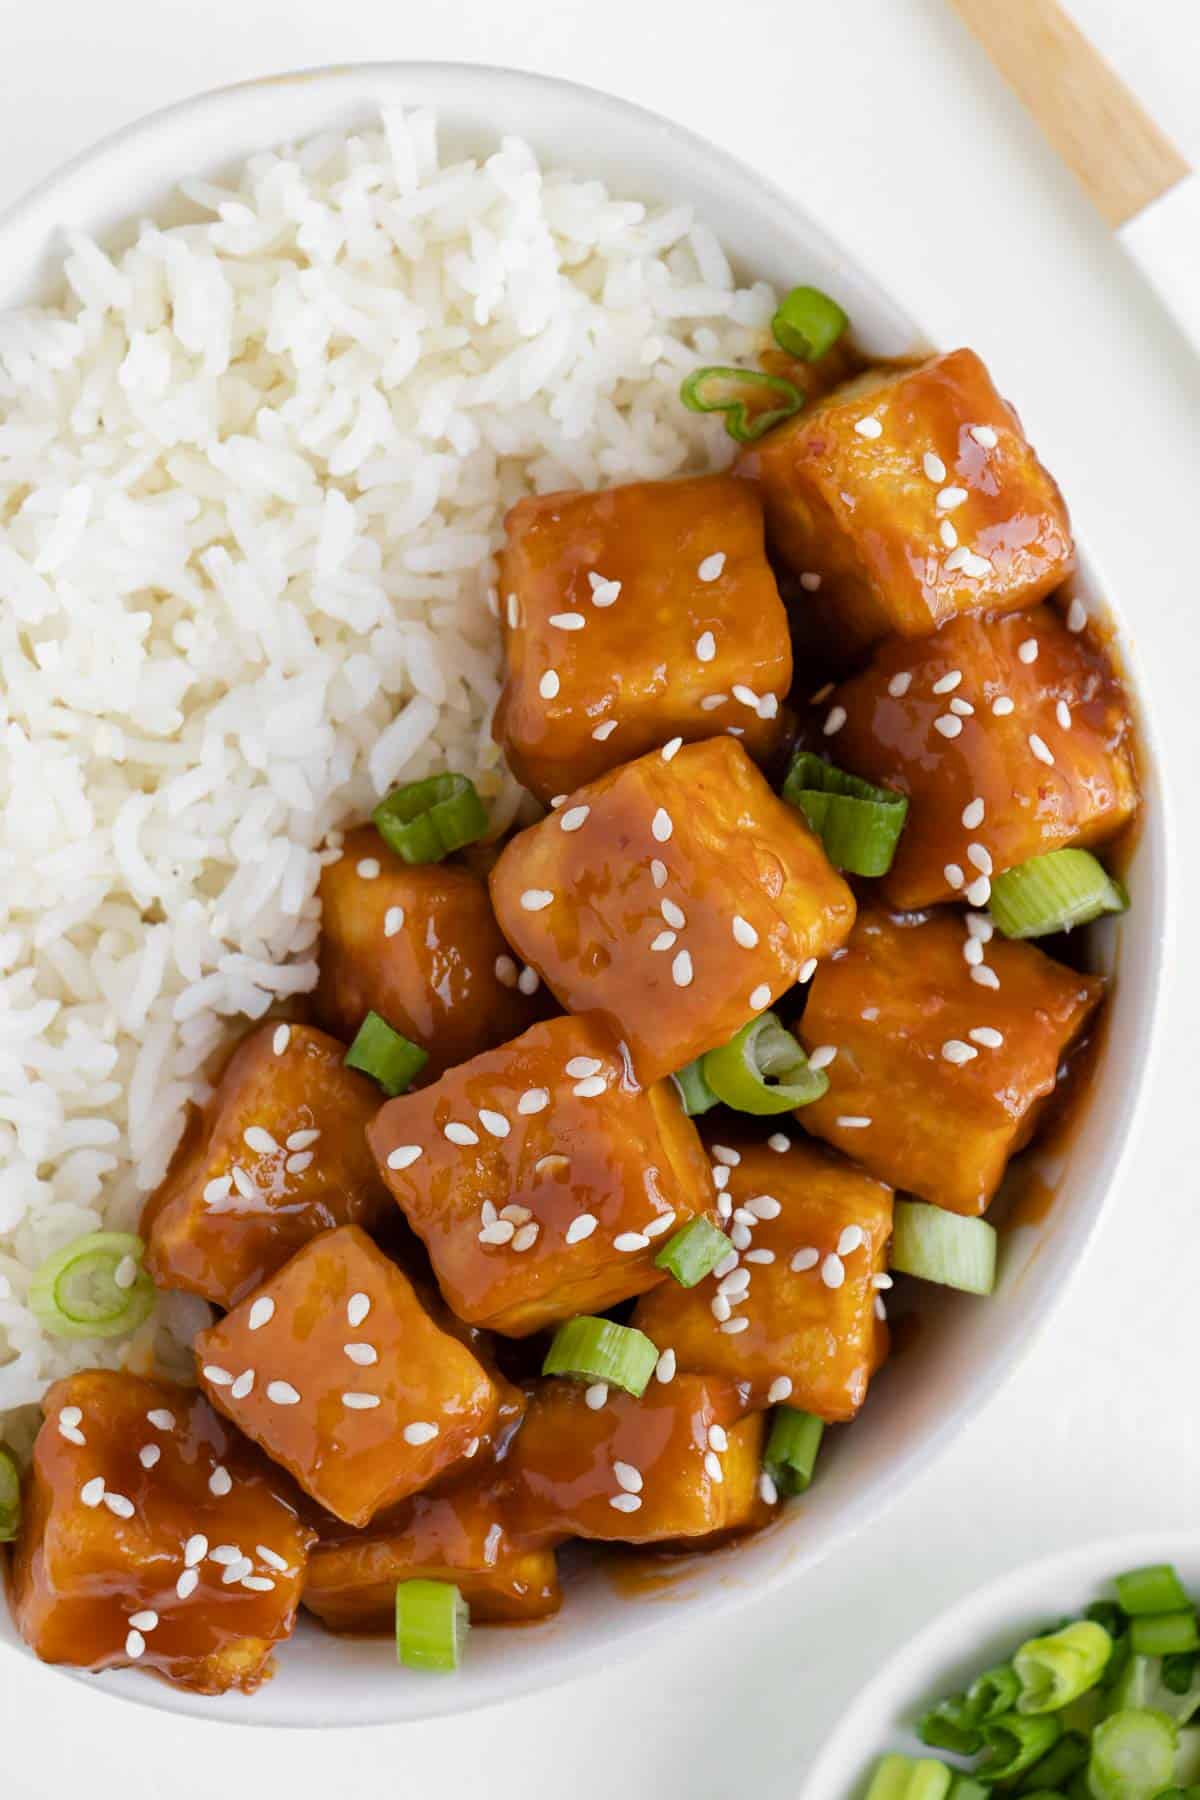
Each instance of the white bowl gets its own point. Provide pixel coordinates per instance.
(965, 1348)
(980, 1630)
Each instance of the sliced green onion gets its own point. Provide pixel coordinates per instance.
(1143, 1687)
(587, 1349)
(858, 824)
(1180, 1793)
(691, 1254)
(432, 1622)
(1058, 1766)
(10, 1498)
(943, 1247)
(95, 1287)
(1133, 1756)
(791, 1453)
(1187, 1758)
(1055, 892)
(907, 1778)
(1108, 1614)
(1154, 1589)
(1179, 1672)
(1055, 1670)
(807, 323)
(966, 1787)
(751, 400)
(1014, 1743)
(950, 1725)
(385, 1055)
(1165, 1634)
(763, 1070)
(694, 1091)
(425, 820)
(993, 1693)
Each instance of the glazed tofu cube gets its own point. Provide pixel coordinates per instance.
(542, 1178)
(908, 496)
(678, 895)
(457, 1534)
(1010, 738)
(154, 1537)
(337, 1370)
(796, 1317)
(634, 616)
(278, 1153)
(419, 946)
(681, 1462)
(941, 1063)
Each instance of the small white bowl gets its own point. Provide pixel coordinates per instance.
(979, 1631)
(965, 1347)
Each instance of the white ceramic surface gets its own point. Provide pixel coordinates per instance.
(963, 1348)
(982, 1629)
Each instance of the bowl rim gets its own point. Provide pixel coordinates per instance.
(77, 181)
(858, 1736)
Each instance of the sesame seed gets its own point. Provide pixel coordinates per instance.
(533, 1100)
(950, 497)
(768, 1492)
(899, 684)
(226, 1555)
(359, 1402)
(494, 1122)
(603, 732)
(984, 436)
(661, 826)
(357, 1308)
(658, 872)
(981, 927)
(955, 1051)
(777, 1140)
(948, 535)
(218, 1376)
(258, 1584)
(1028, 650)
(957, 559)
(629, 1477)
(368, 868)
(92, 1492)
(457, 1133)
(706, 647)
(187, 1584)
(393, 920)
(985, 977)
(626, 1503)
(596, 1395)
(764, 1206)
(500, 1231)
(853, 1121)
(804, 1260)
(712, 1465)
(710, 569)
(568, 621)
(282, 1038)
(282, 1393)
(720, 1308)
(574, 817)
(518, 1215)
(674, 915)
(220, 1481)
(963, 708)
(711, 702)
(271, 1557)
(665, 940)
(528, 981)
(603, 592)
(722, 1153)
(1041, 749)
(760, 997)
(743, 1217)
(119, 1505)
(934, 467)
(237, 1571)
(735, 1285)
(768, 706)
(664, 1368)
(882, 1281)
(972, 814)
(954, 875)
(727, 1264)
(744, 932)
(949, 724)
(590, 1088)
(536, 899)
(810, 581)
(985, 1035)
(721, 1177)
(739, 1235)
(732, 1326)
(976, 566)
(1001, 706)
(1076, 616)
(833, 1271)
(362, 1354)
(217, 1190)
(301, 1140)
(526, 1236)
(745, 694)
(681, 969)
(135, 1645)
(808, 969)
(868, 427)
(880, 1308)
(512, 607)
(549, 685)
(852, 1239)
(820, 1058)
(980, 857)
(581, 1227)
(779, 1390)
(1062, 713)
(196, 1549)
(629, 1241)
(260, 1141)
(979, 892)
(973, 952)
(421, 1431)
(244, 1185)
(948, 682)
(243, 1385)
(834, 720)
(580, 1066)
(404, 1155)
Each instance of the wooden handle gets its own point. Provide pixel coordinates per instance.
(1098, 128)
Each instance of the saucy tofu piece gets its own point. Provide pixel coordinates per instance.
(137, 1492)
(634, 616)
(942, 1063)
(681, 1462)
(457, 1535)
(541, 1176)
(793, 1313)
(1010, 737)
(908, 496)
(677, 895)
(420, 946)
(336, 1369)
(279, 1153)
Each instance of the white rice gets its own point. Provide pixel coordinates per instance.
(252, 475)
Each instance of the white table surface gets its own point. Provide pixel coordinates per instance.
(888, 123)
